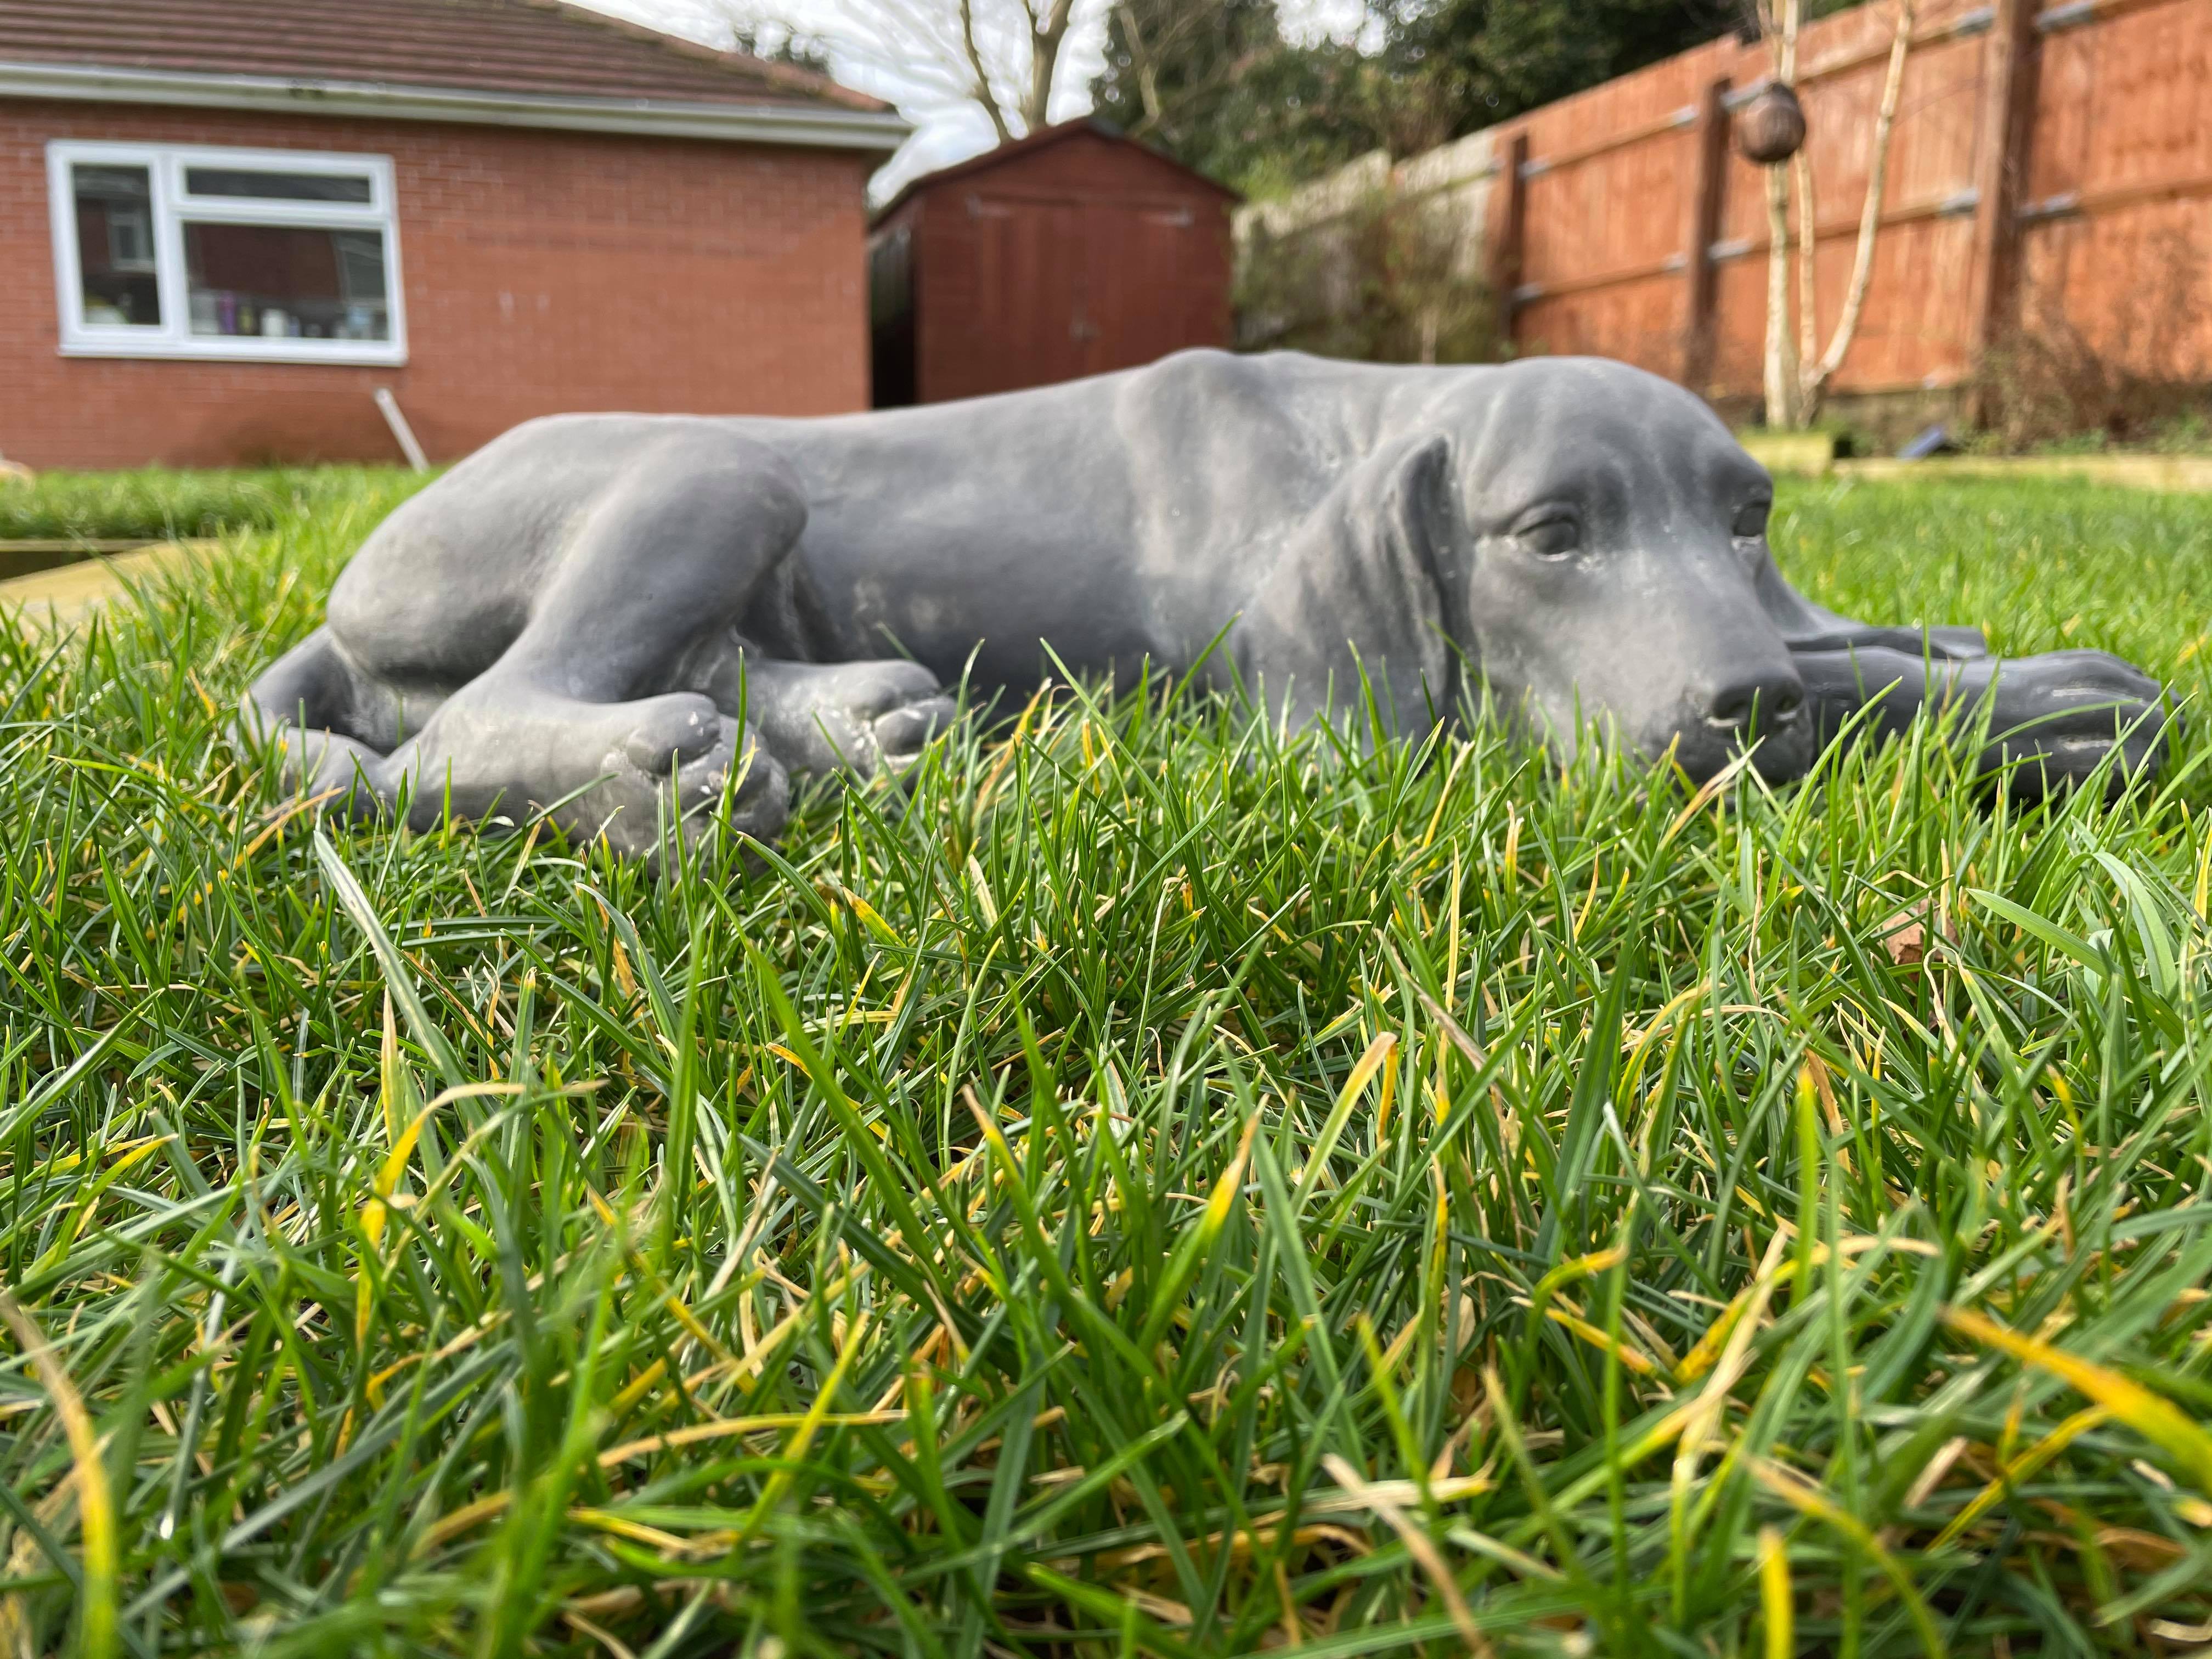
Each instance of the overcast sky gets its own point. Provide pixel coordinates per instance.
(945, 132)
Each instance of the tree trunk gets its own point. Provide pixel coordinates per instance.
(1048, 31)
(1781, 370)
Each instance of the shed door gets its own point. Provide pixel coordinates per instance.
(1141, 296)
(1069, 290)
(1031, 328)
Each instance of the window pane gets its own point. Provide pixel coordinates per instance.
(115, 246)
(278, 283)
(277, 187)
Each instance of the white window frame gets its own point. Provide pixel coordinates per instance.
(171, 205)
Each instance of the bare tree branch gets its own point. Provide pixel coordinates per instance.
(1152, 46)
(1000, 57)
(1145, 62)
(1047, 36)
(1808, 270)
(918, 41)
(1794, 390)
(982, 92)
(1893, 87)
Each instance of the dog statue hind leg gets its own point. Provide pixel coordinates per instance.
(602, 616)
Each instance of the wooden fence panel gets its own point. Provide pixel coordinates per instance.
(2066, 90)
(1610, 175)
(2117, 244)
(2151, 97)
(2051, 167)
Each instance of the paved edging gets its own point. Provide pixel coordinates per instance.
(65, 593)
(2181, 474)
(36, 556)
(1799, 453)
(1813, 454)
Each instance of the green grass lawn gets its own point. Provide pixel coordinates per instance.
(160, 504)
(1172, 1190)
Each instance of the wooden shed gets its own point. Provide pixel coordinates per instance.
(1072, 252)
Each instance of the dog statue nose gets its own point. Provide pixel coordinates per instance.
(1756, 704)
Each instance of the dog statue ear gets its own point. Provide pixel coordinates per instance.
(1360, 587)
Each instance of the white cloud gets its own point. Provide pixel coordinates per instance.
(945, 130)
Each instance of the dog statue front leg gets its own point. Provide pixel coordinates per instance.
(2052, 719)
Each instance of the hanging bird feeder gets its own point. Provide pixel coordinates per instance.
(1770, 128)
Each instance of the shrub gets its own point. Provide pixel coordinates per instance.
(2138, 383)
(1386, 281)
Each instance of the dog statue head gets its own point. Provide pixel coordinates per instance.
(1597, 540)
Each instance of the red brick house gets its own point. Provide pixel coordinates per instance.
(226, 224)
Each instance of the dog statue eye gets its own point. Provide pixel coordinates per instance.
(1553, 538)
(1751, 520)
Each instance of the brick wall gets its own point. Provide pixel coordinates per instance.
(544, 271)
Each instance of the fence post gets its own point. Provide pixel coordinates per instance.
(2001, 155)
(1700, 279)
(1510, 208)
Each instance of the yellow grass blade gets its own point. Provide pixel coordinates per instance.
(2150, 1415)
(1775, 1596)
(1642, 1363)
(2021, 1468)
(1419, 1546)
(1224, 1195)
(96, 1621)
(1807, 1499)
(469, 1515)
(1363, 1073)
(387, 1178)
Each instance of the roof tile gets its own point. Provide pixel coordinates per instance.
(545, 48)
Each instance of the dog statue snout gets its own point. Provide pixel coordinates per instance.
(1757, 703)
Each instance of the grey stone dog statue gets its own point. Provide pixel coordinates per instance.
(609, 615)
